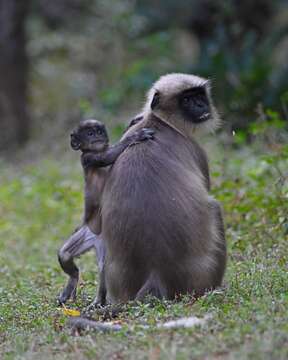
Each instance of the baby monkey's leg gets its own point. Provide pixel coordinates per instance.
(80, 242)
(100, 254)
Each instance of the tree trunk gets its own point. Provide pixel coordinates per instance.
(14, 118)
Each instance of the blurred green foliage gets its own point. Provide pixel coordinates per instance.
(109, 55)
(247, 79)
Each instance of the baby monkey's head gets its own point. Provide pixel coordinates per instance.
(90, 135)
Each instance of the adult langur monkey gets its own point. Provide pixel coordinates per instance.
(164, 233)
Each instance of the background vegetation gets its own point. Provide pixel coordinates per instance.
(61, 61)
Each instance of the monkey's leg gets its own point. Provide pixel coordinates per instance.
(219, 235)
(102, 291)
(100, 298)
(152, 287)
(80, 242)
(100, 254)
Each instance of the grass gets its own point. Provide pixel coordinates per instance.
(41, 203)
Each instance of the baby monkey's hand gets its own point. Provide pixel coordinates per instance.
(142, 135)
(87, 159)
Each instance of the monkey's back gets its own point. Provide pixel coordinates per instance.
(155, 213)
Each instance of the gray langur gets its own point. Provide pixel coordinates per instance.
(164, 233)
(92, 139)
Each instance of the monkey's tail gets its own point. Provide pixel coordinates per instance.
(80, 323)
(153, 287)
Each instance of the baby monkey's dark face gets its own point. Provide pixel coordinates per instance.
(90, 135)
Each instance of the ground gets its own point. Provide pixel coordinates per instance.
(41, 203)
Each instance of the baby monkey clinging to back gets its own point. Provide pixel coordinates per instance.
(92, 139)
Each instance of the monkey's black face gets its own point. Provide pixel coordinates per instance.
(90, 137)
(194, 105)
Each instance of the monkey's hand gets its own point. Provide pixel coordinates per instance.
(142, 135)
(87, 159)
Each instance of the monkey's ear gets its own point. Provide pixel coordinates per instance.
(155, 101)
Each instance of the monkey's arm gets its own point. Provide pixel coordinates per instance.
(109, 157)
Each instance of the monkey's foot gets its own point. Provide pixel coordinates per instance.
(108, 312)
(69, 292)
(95, 304)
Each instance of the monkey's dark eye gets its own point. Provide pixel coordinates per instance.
(99, 131)
(186, 100)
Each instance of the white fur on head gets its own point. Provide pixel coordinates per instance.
(171, 85)
(90, 122)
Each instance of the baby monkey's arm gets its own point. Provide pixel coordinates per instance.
(109, 156)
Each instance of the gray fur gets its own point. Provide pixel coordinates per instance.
(163, 232)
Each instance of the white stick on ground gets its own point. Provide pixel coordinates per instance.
(186, 322)
(79, 323)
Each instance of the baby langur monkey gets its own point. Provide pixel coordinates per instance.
(92, 139)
